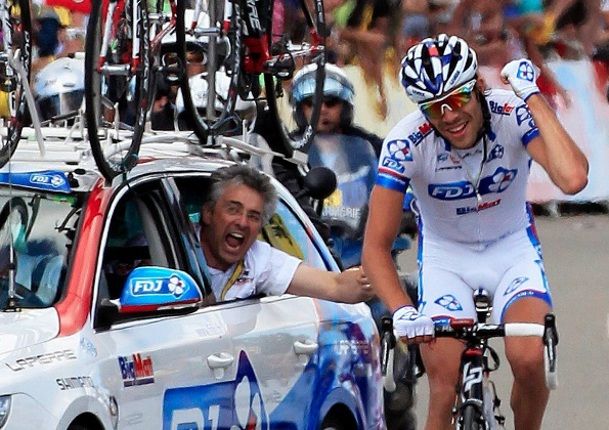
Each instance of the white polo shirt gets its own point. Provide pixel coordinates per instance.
(264, 270)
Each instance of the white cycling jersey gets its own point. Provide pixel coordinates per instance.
(476, 229)
(460, 197)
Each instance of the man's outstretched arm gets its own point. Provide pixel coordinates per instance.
(350, 286)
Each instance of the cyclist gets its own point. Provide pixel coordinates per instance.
(466, 154)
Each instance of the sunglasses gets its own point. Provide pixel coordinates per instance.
(455, 100)
(328, 101)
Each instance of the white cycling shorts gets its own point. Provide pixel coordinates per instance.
(509, 269)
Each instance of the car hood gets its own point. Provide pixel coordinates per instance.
(27, 327)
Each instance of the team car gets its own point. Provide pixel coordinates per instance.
(107, 319)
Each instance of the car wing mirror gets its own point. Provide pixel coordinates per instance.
(320, 182)
(152, 288)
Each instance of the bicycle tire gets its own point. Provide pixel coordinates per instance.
(20, 25)
(108, 95)
(197, 114)
(472, 418)
(310, 44)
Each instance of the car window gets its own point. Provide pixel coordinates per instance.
(139, 234)
(283, 231)
(286, 232)
(36, 232)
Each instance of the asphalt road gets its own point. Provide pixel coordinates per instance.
(576, 253)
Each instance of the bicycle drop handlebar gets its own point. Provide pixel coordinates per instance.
(468, 329)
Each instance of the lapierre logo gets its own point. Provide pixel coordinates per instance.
(505, 109)
(41, 359)
(136, 370)
(451, 191)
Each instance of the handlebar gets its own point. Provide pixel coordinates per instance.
(468, 329)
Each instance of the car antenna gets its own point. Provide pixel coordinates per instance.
(11, 302)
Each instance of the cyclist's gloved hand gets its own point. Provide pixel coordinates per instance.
(522, 76)
(409, 323)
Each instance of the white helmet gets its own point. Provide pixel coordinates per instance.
(59, 87)
(434, 67)
(245, 109)
(336, 83)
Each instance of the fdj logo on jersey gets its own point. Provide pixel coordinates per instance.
(451, 191)
(525, 71)
(498, 182)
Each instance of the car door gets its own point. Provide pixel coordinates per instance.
(150, 363)
(274, 338)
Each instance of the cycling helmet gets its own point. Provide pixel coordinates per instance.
(245, 109)
(437, 66)
(59, 88)
(336, 84)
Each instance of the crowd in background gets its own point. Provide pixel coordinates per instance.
(375, 34)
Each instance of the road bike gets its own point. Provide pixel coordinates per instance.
(258, 45)
(126, 53)
(15, 63)
(123, 45)
(477, 405)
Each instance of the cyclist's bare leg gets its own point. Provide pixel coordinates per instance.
(525, 354)
(441, 359)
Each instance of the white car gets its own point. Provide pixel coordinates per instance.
(106, 320)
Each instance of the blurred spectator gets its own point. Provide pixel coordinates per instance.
(46, 37)
(363, 29)
(416, 24)
(500, 31)
(58, 31)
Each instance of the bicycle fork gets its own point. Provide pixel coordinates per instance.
(478, 391)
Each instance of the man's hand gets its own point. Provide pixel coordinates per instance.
(522, 76)
(354, 285)
(412, 327)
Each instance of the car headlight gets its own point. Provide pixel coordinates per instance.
(5, 408)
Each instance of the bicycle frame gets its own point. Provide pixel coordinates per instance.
(258, 58)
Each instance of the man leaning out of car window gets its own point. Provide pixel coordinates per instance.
(241, 200)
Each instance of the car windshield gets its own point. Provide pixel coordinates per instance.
(36, 231)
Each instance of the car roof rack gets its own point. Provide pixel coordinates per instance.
(57, 142)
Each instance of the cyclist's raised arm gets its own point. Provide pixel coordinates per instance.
(553, 149)
(384, 219)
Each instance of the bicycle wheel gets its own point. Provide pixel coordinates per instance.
(297, 39)
(17, 48)
(118, 84)
(472, 418)
(207, 100)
